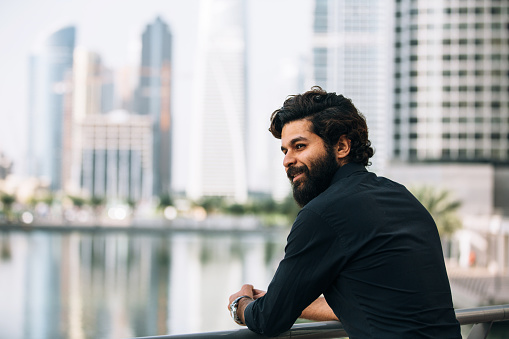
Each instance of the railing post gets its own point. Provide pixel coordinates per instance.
(480, 331)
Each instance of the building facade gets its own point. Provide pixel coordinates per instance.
(351, 56)
(50, 85)
(116, 156)
(451, 81)
(154, 99)
(218, 134)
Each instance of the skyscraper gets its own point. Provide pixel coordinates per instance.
(451, 81)
(217, 152)
(154, 99)
(352, 56)
(116, 156)
(50, 73)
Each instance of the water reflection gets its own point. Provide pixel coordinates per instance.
(119, 285)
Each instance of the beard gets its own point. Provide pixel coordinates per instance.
(315, 180)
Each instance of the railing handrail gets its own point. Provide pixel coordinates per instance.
(334, 329)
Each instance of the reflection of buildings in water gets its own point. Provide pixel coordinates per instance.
(205, 271)
(114, 285)
(184, 291)
(43, 298)
(13, 296)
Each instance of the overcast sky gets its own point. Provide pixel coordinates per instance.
(279, 33)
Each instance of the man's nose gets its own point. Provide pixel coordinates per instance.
(288, 160)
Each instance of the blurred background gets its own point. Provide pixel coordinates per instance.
(140, 187)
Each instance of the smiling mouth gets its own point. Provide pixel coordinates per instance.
(297, 176)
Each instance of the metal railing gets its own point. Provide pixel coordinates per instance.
(481, 317)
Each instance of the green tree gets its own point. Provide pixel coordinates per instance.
(212, 204)
(442, 207)
(7, 202)
(77, 201)
(165, 200)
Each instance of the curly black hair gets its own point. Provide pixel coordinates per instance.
(331, 116)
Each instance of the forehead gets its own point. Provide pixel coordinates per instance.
(297, 130)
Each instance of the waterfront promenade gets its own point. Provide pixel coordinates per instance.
(478, 286)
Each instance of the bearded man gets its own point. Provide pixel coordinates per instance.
(362, 241)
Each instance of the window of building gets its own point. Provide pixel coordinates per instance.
(496, 10)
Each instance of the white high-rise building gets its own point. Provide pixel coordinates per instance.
(116, 156)
(217, 149)
(49, 111)
(451, 81)
(351, 56)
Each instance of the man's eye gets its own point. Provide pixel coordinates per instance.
(299, 146)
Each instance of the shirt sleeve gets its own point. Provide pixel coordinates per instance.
(308, 268)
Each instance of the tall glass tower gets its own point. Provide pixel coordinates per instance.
(218, 136)
(351, 56)
(154, 99)
(451, 81)
(50, 73)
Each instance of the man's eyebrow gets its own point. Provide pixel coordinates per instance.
(294, 141)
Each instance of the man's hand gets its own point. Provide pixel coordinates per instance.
(246, 290)
(258, 293)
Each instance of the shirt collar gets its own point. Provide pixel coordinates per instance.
(347, 170)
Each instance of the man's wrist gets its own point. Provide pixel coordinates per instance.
(237, 308)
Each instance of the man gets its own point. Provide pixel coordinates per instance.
(362, 241)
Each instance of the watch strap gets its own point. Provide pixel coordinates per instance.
(233, 309)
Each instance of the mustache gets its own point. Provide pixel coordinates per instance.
(294, 170)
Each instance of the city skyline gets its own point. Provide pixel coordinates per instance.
(119, 46)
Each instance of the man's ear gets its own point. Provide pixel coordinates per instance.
(343, 149)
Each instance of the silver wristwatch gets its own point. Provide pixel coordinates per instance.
(233, 309)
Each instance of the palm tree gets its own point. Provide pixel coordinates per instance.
(442, 207)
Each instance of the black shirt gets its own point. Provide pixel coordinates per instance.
(373, 251)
